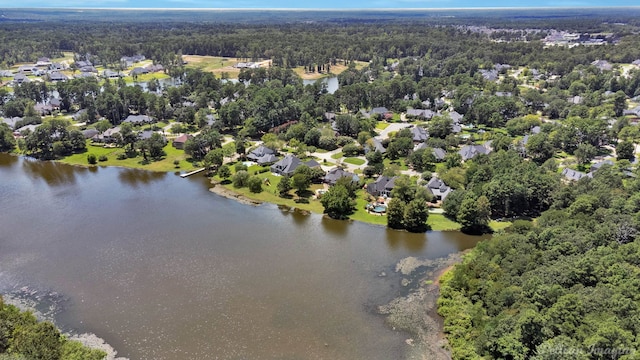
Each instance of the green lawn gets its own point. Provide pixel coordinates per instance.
(499, 225)
(270, 191)
(439, 222)
(354, 161)
(165, 164)
(337, 155)
(146, 77)
(382, 125)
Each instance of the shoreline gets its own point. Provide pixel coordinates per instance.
(416, 312)
(219, 189)
(216, 188)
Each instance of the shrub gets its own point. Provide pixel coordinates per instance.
(240, 179)
(103, 158)
(121, 156)
(240, 167)
(92, 159)
(255, 184)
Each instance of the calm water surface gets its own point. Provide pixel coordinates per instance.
(163, 269)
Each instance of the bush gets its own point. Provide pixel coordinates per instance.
(255, 184)
(121, 156)
(92, 159)
(240, 179)
(103, 158)
(240, 167)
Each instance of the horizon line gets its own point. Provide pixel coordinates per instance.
(333, 9)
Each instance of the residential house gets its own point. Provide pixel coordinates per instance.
(57, 76)
(489, 75)
(633, 112)
(43, 61)
(262, 155)
(146, 134)
(56, 67)
(6, 73)
(636, 63)
(12, 121)
(43, 109)
(211, 119)
(78, 115)
(90, 133)
(179, 142)
(86, 74)
(420, 113)
(501, 67)
(109, 136)
(138, 119)
(83, 63)
(289, 164)
(383, 112)
(155, 68)
(88, 69)
(574, 175)
(595, 167)
(128, 61)
(470, 151)
(20, 78)
(420, 134)
(329, 116)
(438, 188)
(337, 173)
(603, 65)
(138, 71)
(376, 146)
(30, 128)
(455, 117)
(575, 100)
(439, 154)
(110, 74)
(382, 186)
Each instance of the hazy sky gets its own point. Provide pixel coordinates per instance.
(323, 4)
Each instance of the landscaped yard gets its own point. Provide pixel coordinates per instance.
(382, 125)
(165, 164)
(354, 161)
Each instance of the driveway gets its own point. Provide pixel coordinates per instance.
(393, 127)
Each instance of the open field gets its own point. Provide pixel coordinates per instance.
(165, 164)
(217, 64)
(335, 70)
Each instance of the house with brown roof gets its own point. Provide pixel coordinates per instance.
(179, 142)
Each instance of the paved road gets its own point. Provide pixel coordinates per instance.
(384, 134)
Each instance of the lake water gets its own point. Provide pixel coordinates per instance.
(331, 82)
(161, 268)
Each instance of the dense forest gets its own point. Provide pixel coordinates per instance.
(565, 286)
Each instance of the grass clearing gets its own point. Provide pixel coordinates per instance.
(439, 222)
(165, 164)
(337, 155)
(354, 161)
(382, 125)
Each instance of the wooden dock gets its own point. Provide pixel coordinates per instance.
(192, 172)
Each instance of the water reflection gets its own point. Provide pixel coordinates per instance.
(335, 227)
(135, 178)
(406, 240)
(299, 217)
(52, 173)
(7, 160)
